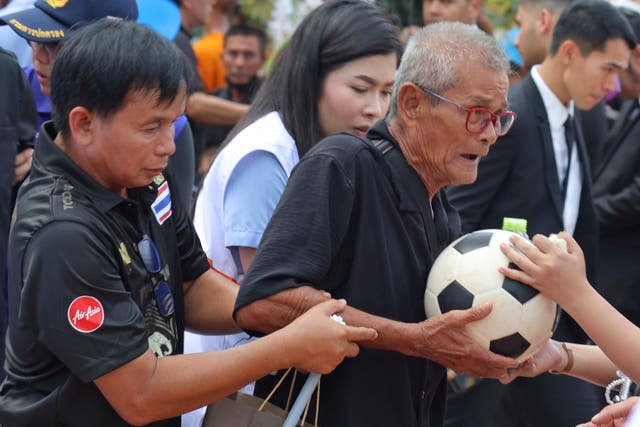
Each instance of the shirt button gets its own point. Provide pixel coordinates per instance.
(422, 394)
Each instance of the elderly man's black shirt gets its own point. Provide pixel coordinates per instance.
(82, 302)
(348, 225)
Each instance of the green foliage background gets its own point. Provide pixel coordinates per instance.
(501, 12)
(257, 11)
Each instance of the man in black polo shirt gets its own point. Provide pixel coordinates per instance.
(105, 272)
(364, 219)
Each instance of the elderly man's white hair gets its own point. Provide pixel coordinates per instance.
(435, 57)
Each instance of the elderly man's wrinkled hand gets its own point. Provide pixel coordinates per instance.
(444, 339)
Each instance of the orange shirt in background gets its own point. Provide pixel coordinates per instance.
(208, 50)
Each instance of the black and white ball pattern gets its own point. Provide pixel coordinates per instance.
(466, 274)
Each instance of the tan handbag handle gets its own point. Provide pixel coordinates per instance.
(275, 388)
(293, 382)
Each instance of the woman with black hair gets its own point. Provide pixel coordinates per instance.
(335, 75)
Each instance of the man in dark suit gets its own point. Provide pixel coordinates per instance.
(616, 191)
(541, 172)
(537, 19)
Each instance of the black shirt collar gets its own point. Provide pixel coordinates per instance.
(380, 130)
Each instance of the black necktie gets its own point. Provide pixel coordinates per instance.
(569, 136)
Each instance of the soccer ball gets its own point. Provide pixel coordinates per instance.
(466, 274)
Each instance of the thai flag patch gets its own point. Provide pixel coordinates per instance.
(162, 205)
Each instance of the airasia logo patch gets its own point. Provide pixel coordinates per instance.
(85, 314)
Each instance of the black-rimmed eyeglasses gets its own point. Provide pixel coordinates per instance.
(161, 288)
(478, 118)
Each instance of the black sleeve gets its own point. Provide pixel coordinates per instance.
(620, 210)
(18, 121)
(305, 233)
(18, 97)
(27, 115)
(72, 281)
(472, 200)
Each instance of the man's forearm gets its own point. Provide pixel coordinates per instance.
(213, 110)
(161, 388)
(279, 310)
(443, 339)
(209, 303)
(148, 388)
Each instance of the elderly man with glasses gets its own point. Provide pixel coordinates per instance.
(364, 219)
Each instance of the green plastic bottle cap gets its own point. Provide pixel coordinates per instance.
(517, 225)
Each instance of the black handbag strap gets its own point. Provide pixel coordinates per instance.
(418, 191)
